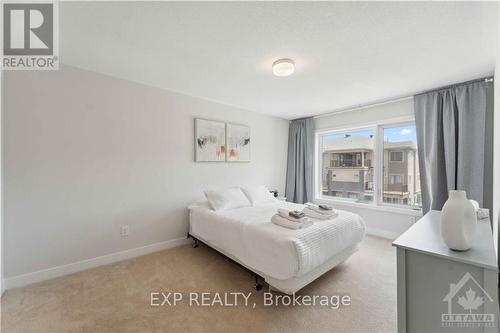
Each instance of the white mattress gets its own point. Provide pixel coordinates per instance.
(249, 236)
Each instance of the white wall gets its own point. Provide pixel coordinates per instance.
(369, 114)
(379, 221)
(85, 153)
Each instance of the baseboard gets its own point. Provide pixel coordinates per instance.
(53, 272)
(50, 273)
(382, 233)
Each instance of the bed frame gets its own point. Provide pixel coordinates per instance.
(257, 286)
(289, 286)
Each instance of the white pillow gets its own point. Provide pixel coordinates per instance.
(258, 195)
(226, 199)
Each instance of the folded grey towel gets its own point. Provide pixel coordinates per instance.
(286, 214)
(296, 214)
(319, 210)
(483, 213)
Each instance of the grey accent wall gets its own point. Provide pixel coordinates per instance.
(86, 153)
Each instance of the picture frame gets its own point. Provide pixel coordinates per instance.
(238, 142)
(210, 140)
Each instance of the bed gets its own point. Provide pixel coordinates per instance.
(286, 259)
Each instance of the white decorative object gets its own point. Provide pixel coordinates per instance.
(458, 221)
(475, 204)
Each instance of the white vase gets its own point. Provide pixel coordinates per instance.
(458, 221)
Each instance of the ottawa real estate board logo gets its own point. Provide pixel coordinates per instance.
(468, 305)
(30, 36)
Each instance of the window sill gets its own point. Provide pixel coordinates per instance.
(383, 208)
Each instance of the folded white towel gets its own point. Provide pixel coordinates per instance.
(286, 214)
(319, 210)
(314, 214)
(281, 221)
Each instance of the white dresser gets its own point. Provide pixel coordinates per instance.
(441, 290)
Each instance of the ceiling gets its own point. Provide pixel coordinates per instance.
(346, 53)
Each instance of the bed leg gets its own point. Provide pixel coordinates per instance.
(195, 241)
(257, 286)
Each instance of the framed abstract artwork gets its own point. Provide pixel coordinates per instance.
(237, 143)
(210, 140)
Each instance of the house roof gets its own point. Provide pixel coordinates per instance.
(349, 144)
(400, 145)
(360, 143)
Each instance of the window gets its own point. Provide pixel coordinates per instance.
(401, 164)
(396, 156)
(372, 165)
(347, 173)
(395, 179)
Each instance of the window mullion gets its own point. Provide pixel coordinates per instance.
(379, 165)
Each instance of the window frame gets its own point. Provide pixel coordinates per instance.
(397, 151)
(396, 175)
(381, 129)
(319, 162)
(378, 128)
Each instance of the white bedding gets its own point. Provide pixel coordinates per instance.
(249, 236)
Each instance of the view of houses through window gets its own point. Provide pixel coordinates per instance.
(348, 169)
(401, 166)
(347, 165)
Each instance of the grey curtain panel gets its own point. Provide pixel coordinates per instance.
(451, 136)
(299, 172)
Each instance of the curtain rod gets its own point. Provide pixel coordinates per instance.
(485, 79)
(395, 99)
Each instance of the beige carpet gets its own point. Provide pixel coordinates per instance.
(116, 298)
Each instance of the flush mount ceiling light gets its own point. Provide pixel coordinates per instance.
(283, 67)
